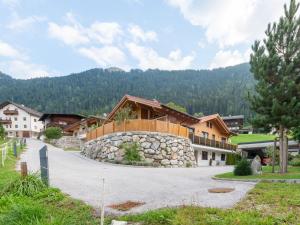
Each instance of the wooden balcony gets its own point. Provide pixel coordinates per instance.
(138, 125)
(5, 121)
(10, 112)
(211, 143)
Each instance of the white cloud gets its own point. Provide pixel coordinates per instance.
(230, 22)
(104, 32)
(23, 69)
(139, 34)
(105, 56)
(229, 58)
(148, 58)
(6, 50)
(20, 24)
(70, 35)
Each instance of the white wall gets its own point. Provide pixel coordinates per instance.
(202, 162)
(21, 122)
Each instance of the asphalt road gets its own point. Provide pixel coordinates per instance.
(81, 178)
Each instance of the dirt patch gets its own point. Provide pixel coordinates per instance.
(220, 190)
(125, 206)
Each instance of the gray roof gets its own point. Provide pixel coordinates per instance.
(26, 109)
(233, 117)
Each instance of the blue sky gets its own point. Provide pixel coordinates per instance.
(54, 38)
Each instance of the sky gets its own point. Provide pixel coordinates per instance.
(54, 38)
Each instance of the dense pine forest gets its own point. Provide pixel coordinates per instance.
(97, 90)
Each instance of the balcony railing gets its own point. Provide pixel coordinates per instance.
(211, 143)
(5, 121)
(138, 125)
(10, 112)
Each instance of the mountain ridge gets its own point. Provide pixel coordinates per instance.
(96, 90)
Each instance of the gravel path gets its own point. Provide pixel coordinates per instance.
(157, 187)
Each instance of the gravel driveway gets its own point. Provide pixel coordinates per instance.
(157, 187)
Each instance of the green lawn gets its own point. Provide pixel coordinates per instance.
(293, 173)
(267, 203)
(46, 206)
(241, 138)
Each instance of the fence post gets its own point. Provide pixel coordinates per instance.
(44, 165)
(24, 171)
(124, 125)
(15, 149)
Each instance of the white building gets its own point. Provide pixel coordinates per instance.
(19, 120)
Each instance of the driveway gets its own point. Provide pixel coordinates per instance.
(81, 178)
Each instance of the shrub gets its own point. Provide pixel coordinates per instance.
(232, 159)
(131, 151)
(28, 186)
(53, 133)
(2, 132)
(295, 162)
(242, 168)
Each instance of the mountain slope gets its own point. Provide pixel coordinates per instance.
(97, 90)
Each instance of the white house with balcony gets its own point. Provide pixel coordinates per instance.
(19, 120)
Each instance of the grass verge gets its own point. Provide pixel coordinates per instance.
(293, 173)
(267, 203)
(242, 138)
(28, 202)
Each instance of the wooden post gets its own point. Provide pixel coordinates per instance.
(125, 125)
(168, 126)
(102, 204)
(44, 165)
(155, 125)
(113, 125)
(178, 130)
(24, 171)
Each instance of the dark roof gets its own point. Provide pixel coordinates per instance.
(26, 109)
(47, 115)
(233, 117)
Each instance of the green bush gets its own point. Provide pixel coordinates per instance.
(242, 168)
(232, 159)
(131, 151)
(2, 132)
(53, 133)
(295, 161)
(24, 186)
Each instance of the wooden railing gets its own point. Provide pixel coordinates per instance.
(211, 143)
(138, 125)
(10, 112)
(5, 121)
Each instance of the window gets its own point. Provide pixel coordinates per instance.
(35, 127)
(16, 118)
(6, 126)
(210, 125)
(204, 155)
(224, 140)
(16, 126)
(213, 156)
(214, 137)
(34, 120)
(24, 118)
(25, 126)
(223, 157)
(207, 124)
(204, 134)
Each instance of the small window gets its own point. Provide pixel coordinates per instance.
(204, 134)
(24, 118)
(213, 156)
(204, 155)
(25, 126)
(16, 118)
(34, 120)
(214, 137)
(207, 124)
(224, 140)
(16, 126)
(6, 126)
(223, 157)
(210, 125)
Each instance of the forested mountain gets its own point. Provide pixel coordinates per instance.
(97, 90)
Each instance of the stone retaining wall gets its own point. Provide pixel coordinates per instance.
(163, 149)
(67, 142)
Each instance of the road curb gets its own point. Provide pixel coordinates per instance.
(292, 181)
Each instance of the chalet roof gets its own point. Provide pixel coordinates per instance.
(233, 117)
(47, 115)
(218, 119)
(26, 109)
(151, 103)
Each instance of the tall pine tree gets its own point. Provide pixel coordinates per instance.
(275, 63)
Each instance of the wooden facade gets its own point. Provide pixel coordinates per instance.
(60, 120)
